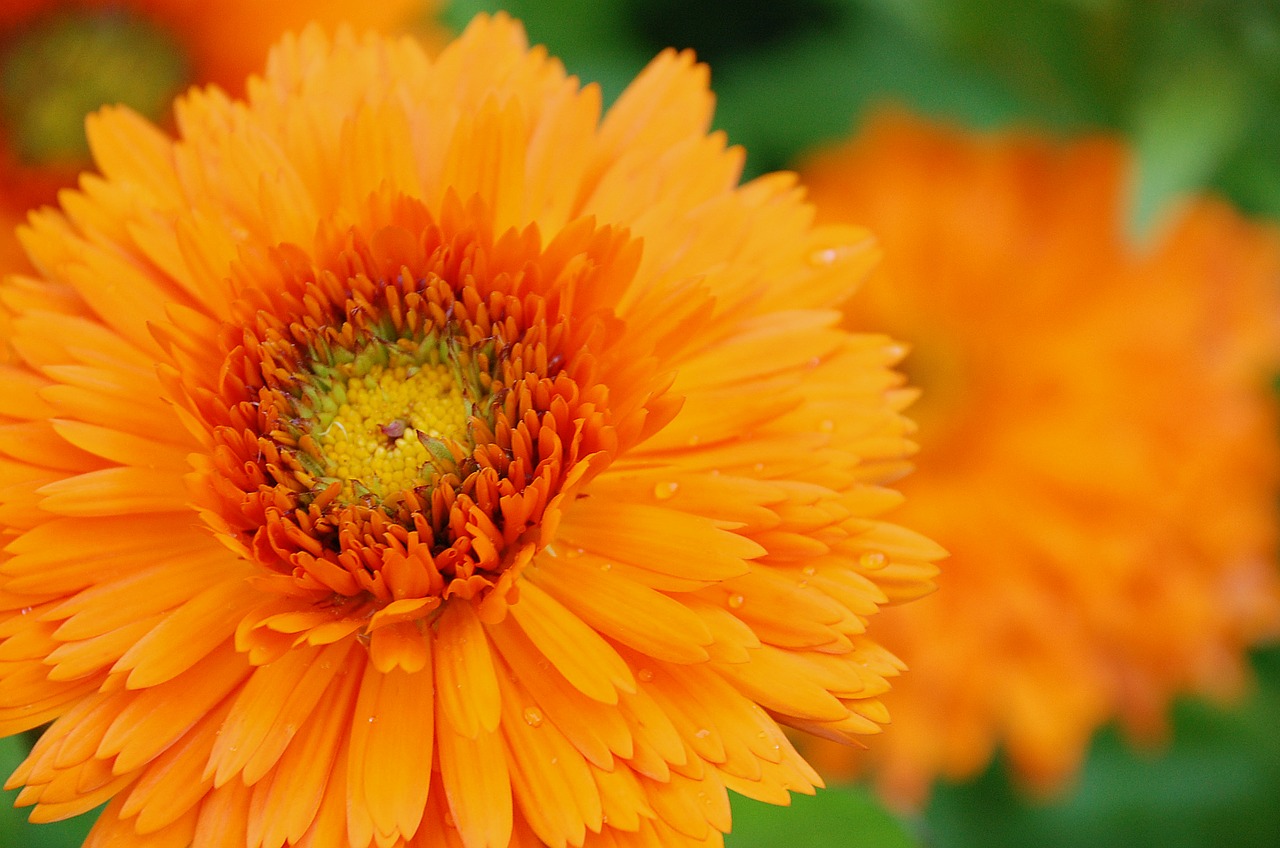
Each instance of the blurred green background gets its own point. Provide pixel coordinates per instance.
(1194, 85)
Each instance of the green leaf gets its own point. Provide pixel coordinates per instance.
(1184, 131)
(15, 830)
(837, 817)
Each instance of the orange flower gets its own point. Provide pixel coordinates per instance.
(407, 456)
(61, 59)
(1098, 444)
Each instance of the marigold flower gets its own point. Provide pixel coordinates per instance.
(1098, 443)
(61, 59)
(408, 456)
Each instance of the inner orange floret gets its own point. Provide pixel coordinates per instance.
(387, 435)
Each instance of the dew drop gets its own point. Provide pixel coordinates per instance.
(606, 566)
(665, 491)
(448, 819)
(872, 560)
(532, 717)
(759, 466)
(693, 440)
(573, 553)
(702, 733)
(809, 570)
(826, 425)
(736, 601)
(826, 256)
(645, 674)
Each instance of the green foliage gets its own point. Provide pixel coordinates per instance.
(839, 817)
(15, 831)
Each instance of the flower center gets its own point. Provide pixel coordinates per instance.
(59, 68)
(408, 427)
(393, 427)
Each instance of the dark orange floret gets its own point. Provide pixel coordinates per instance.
(538, 422)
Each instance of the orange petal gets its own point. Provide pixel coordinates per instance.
(392, 734)
(635, 615)
(577, 651)
(477, 785)
(468, 686)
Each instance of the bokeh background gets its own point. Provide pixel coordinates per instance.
(1194, 85)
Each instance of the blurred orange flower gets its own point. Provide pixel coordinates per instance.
(61, 59)
(1098, 443)
(409, 456)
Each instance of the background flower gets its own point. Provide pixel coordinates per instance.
(62, 59)
(1099, 448)
(411, 454)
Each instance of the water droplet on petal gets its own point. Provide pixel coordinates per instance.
(809, 570)
(826, 256)
(736, 601)
(872, 560)
(606, 566)
(532, 717)
(665, 491)
(645, 674)
(826, 425)
(702, 733)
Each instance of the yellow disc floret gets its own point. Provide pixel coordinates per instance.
(381, 439)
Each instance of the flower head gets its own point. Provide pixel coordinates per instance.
(408, 456)
(1098, 442)
(62, 59)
